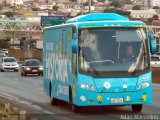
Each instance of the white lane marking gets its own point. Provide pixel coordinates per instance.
(6, 97)
(9, 96)
(37, 84)
(25, 102)
(19, 100)
(37, 107)
(48, 112)
(17, 79)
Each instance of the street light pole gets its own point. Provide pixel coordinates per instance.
(82, 8)
(89, 6)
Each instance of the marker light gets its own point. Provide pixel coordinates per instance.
(87, 87)
(143, 85)
(99, 98)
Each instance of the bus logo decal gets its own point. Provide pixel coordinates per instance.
(107, 85)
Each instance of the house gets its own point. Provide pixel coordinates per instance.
(145, 14)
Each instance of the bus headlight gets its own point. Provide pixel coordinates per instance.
(87, 87)
(143, 85)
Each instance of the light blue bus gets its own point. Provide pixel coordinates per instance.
(85, 62)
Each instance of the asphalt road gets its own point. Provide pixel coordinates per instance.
(27, 93)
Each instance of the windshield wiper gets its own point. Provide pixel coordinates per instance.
(139, 63)
(90, 65)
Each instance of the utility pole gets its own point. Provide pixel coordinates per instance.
(89, 6)
(82, 8)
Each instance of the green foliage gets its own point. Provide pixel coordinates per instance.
(116, 4)
(156, 7)
(55, 8)
(31, 43)
(36, 9)
(126, 1)
(8, 14)
(136, 7)
(118, 11)
(4, 43)
(155, 17)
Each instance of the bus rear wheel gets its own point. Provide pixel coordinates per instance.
(137, 108)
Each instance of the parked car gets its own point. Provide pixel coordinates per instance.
(31, 66)
(155, 60)
(2, 54)
(9, 63)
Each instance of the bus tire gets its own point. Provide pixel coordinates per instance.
(53, 100)
(75, 108)
(137, 108)
(70, 95)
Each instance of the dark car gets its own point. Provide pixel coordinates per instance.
(31, 66)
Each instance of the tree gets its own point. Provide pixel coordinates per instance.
(156, 7)
(120, 12)
(55, 8)
(155, 17)
(4, 43)
(8, 14)
(116, 4)
(36, 9)
(126, 2)
(136, 7)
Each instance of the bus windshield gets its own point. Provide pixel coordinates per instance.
(113, 50)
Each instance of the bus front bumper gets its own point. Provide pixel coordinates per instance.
(89, 98)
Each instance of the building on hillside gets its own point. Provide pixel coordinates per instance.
(14, 2)
(26, 12)
(151, 3)
(143, 14)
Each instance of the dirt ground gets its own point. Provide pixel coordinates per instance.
(156, 75)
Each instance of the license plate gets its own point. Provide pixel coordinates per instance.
(116, 100)
(34, 70)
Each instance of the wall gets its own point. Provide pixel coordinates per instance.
(22, 55)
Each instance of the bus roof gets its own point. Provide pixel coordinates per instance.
(100, 20)
(97, 17)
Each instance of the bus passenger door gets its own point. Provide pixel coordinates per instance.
(74, 68)
(74, 77)
(74, 65)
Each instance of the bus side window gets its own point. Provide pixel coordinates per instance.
(74, 64)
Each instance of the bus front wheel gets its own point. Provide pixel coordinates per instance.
(137, 108)
(76, 109)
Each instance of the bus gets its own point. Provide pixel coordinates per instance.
(85, 65)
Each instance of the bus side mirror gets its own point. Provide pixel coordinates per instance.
(153, 43)
(74, 44)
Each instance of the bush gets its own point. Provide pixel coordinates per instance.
(4, 43)
(118, 11)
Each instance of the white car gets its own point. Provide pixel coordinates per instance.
(155, 60)
(9, 63)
